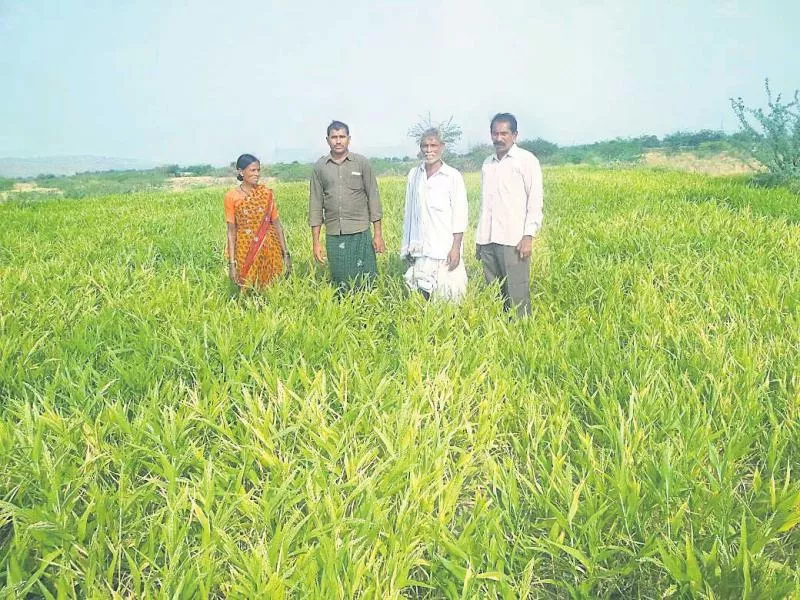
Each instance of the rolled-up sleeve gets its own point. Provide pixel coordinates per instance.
(460, 207)
(373, 196)
(315, 200)
(534, 189)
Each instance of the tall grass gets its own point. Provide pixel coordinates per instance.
(638, 436)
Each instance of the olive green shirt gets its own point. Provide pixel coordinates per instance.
(344, 196)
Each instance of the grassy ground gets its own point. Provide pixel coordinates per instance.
(638, 436)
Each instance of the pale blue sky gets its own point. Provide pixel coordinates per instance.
(203, 81)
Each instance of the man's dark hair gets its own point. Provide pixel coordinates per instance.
(504, 118)
(338, 125)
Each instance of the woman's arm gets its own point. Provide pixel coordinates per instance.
(287, 258)
(232, 252)
(281, 237)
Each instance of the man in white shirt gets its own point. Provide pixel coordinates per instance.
(434, 224)
(511, 214)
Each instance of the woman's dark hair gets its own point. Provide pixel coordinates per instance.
(244, 161)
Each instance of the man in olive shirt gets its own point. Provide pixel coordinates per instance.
(344, 196)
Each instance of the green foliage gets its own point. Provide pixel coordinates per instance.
(638, 436)
(681, 140)
(198, 170)
(540, 147)
(774, 136)
(473, 159)
(392, 166)
(647, 141)
(83, 185)
(609, 151)
(104, 183)
(621, 151)
(294, 171)
(6, 184)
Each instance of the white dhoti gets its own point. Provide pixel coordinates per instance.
(434, 276)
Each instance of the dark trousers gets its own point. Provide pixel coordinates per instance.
(502, 263)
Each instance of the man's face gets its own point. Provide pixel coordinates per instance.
(431, 149)
(502, 137)
(339, 141)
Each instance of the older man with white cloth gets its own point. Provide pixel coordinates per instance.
(434, 224)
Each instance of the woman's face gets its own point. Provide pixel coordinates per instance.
(251, 173)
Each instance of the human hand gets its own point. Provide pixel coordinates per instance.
(378, 244)
(453, 258)
(524, 247)
(232, 273)
(287, 263)
(319, 253)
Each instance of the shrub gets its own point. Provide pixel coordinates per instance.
(540, 147)
(774, 138)
(692, 139)
(198, 169)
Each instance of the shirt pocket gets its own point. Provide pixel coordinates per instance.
(354, 181)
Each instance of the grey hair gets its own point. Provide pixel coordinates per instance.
(431, 132)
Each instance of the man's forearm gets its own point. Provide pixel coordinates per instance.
(315, 233)
(378, 228)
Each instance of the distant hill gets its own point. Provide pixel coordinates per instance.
(68, 165)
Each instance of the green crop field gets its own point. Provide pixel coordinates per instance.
(638, 436)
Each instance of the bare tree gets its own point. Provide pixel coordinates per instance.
(449, 131)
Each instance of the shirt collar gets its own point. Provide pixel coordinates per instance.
(330, 158)
(444, 169)
(512, 152)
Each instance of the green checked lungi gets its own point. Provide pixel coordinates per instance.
(351, 258)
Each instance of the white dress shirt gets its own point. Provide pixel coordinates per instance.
(512, 197)
(445, 211)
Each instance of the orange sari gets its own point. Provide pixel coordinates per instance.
(259, 258)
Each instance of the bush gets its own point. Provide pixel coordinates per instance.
(288, 171)
(647, 141)
(774, 138)
(198, 170)
(541, 148)
(692, 139)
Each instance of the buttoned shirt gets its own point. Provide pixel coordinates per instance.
(445, 211)
(512, 198)
(344, 195)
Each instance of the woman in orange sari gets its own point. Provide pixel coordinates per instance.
(257, 251)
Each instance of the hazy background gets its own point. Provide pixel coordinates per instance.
(196, 82)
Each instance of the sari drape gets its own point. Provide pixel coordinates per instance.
(266, 262)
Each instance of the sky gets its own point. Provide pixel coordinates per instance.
(204, 81)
